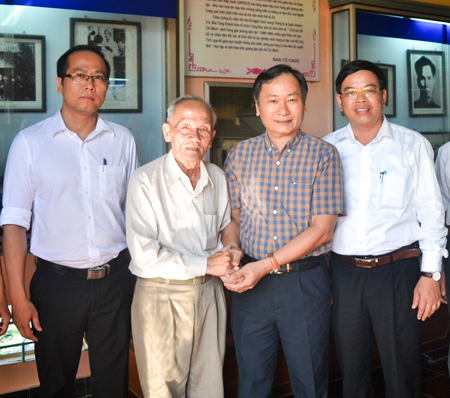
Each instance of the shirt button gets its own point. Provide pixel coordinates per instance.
(89, 217)
(92, 243)
(275, 237)
(270, 149)
(276, 188)
(87, 193)
(85, 167)
(278, 163)
(289, 150)
(274, 212)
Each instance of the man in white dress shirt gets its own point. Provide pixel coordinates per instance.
(443, 176)
(394, 214)
(178, 216)
(70, 173)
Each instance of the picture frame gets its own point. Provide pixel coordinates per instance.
(120, 42)
(426, 93)
(390, 109)
(22, 73)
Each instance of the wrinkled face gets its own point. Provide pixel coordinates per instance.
(280, 106)
(362, 111)
(86, 97)
(189, 132)
(426, 82)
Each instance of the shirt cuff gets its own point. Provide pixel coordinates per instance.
(196, 266)
(431, 261)
(15, 216)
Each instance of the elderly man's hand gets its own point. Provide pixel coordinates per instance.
(223, 262)
(247, 277)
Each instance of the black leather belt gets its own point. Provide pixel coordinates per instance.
(99, 272)
(303, 264)
(403, 253)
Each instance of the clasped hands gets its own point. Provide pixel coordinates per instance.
(225, 262)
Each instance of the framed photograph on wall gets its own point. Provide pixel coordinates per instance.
(22, 73)
(389, 73)
(426, 79)
(120, 42)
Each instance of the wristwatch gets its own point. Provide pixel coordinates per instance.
(275, 265)
(434, 275)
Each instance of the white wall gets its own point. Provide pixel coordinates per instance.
(54, 24)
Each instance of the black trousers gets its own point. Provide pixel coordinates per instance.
(68, 308)
(376, 302)
(293, 309)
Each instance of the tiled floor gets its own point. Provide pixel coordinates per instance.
(435, 379)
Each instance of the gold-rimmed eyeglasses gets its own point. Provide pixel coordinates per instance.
(352, 93)
(81, 78)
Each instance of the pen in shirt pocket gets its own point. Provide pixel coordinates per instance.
(104, 164)
(382, 174)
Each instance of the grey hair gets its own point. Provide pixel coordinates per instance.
(171, 110)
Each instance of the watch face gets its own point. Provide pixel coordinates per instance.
(436, 276)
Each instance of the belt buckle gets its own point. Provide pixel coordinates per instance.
(98, 272)
(201, 279)
(365, 262)
(277, 271)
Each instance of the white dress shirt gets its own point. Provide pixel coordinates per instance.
(443, 176)
(171, 227)
(75, 190)
(393, 197)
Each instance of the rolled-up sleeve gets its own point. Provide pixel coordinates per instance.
(18, 193)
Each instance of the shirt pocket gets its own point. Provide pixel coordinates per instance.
(211, 232)
(112, 182)
(391, 192)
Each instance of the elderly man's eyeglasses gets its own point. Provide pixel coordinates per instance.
(81, 78)
(368, 92)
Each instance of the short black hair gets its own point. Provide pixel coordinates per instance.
(356, 66)
(421, 63)
(270, 74)
(63, 64)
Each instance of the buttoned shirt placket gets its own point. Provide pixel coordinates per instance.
(94, 253)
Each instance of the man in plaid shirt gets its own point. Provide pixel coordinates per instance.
(286, 191)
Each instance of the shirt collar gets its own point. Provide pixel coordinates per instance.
(173, 173)
(385, 131)
(289, 144)
(60, 127)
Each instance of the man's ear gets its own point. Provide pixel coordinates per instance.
(212, 138)
(257, 108)
(339, 101)
(59, 85)
(166, 131)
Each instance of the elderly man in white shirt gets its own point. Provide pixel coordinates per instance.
(178, 215)
(394, 215)
(69, 173)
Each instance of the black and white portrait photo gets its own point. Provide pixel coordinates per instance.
(426, 78)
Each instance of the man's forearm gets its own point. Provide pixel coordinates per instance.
(15, 252)
(318, 233)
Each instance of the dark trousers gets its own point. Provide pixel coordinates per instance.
(292, 308)
(68, 308)
(377, 301)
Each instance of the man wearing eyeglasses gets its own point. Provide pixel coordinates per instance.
(70, 173)
(394, 216)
